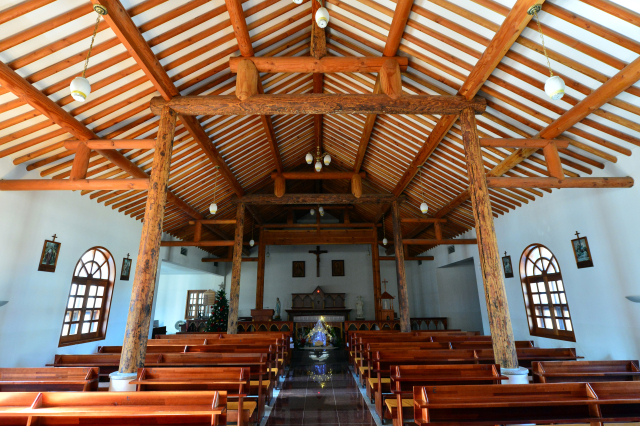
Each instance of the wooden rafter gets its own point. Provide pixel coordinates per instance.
(327, 64)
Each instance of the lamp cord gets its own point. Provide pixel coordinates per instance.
(544, 49)
(95, 31)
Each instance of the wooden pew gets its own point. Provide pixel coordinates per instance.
(520, 344)
(405, 377)
(48, 379)
(233, 380)
(361, 342)
(381, 362)
(528, 355)
(584, 371)
(542, 403)
(113, 408)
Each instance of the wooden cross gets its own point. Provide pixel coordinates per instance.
(54, 237)
(577, 234)
(385, 284)
(505, 254)
(318, 252)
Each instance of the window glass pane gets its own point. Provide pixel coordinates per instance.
(543, 298)
(558, 312)
(555, 267)
(87, 315)
(560, 287)
(99, 257)
(83, 272)
(67, 316)
(563, 299)
(568, 322)
(78, 269)
(92, 290)
(85, 327)
(96, 314)
(76, 316)
(541, 288)
(73, 290)
(104, 271)
(90, 302)
(81, 289)
(535, 254)
(78, 302)
(70, 303)
(546, 253)
(65, 329)
(74, 329)
(94, 326)
(560, 324)
(534, 288)
(540, 323)
(555, 299)
(529, 268)
(100, 291)
(548, 323)
(545, 311)
(536, 299)
(545, 264)
(88, 256)
(566, 312)
(538, 311)
(552, 286)
(98, 302)
(536, 270)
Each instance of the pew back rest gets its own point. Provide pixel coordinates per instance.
(405, 377)
(49, 379)
(383, 360)
(584, 371)
(234, 380)
(520, 344)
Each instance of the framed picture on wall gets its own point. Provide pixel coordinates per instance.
(49, 256)
(582, 252)
(337, 268)
(508, 266)
(126, 269)
(298, 269)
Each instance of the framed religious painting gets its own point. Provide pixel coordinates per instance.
(126, 269)
(507, 266)
(337, 268)
(582, 252)
(298, 269)
(49, 256)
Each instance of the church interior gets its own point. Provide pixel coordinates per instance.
(319, 212)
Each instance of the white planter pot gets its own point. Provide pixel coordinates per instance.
(119, 382)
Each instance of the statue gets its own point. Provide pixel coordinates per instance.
(277, 316)
(359, 305)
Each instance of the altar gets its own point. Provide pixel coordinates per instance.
(308, 308)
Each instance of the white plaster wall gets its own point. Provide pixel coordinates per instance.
(606, 324)
(458, 296)
(358, 279)
(30, 323)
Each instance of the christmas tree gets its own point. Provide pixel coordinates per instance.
(219, 316)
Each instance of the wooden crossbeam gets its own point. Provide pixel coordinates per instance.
(407, 258)
(74, 185)
(552, 182)
(216, 243)
(228, 259)
(422, 220)
(129, 35)
(318, 103)
(312, 225)
(316, 175)
(314, 199)
(112, 144)
(515, 22)
(309, 64)
(520, 143)
(432, 242)
(213, 222)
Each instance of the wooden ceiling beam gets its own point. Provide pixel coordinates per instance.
(112, 144)
(317, 175)
(520, 143)
(129, 35)
(316, 103)
(327, 64)
(515, 22)
(73, 185)
(432, 242)
(313, 199)
(394, 37)
(552, 182)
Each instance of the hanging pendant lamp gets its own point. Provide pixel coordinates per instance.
(252, 241)
(319, 159)
(80, 86)
(554, 87)
(384, 236)
(424, 208)
(213, 208)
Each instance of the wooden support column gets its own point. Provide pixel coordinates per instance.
(375, 260)
(403, 296)
(234, 293)
(261, 262)
(504, 348)
(134, 347)
(80, 162)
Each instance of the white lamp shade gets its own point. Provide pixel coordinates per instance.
(321, 210)
(322, 17)
(297, 1)
(327, 160)
(554, 87)
(318, 166)
(80, 89)
(384, 241)
(309, 158)
(213, 208)
(252, 243)
(424, 208)
(312, 212)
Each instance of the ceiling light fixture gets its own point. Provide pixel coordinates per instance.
(554, 86)
(320, 158)
(80, 86)
(424, 208)
(322, 16)
(312, 212)
(384, 236)
(213, 208)
(321, 210)
(252, 241)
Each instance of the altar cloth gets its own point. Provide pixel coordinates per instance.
(314, 318)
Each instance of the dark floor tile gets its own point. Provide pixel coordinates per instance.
(320, 417)
(320, 402)
(355, 417)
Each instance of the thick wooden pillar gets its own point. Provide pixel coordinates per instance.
(234, 293)
(504, 348)
(375, 260)
(134, 347)
(403, 296)
(261, 261)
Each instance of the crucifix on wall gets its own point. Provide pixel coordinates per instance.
(318, 252)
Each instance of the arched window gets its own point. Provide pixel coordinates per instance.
(87, 312)
(544, 294)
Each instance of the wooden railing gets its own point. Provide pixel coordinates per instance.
(249, 326)
(432, 323)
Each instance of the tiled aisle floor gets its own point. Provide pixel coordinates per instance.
(320, 390)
